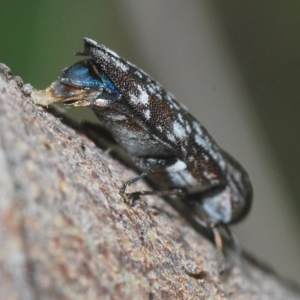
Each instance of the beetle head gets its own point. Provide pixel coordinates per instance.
(81, 83)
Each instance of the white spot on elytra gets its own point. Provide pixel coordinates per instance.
(139, 74)
(142, 98)
(168, 96)
(147, 114)
(154, 88)
(179, 130)
(171, 137)
(188, 128)
(179, 165)
(199, 140)
(180, 118)
(176, 106)
(205, 157)
(197, 127)
(122, 66)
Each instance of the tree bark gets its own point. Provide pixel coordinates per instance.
(67, 234)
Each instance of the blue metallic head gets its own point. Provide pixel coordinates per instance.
(87, 74)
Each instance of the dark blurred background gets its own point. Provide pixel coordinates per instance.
(235, 64)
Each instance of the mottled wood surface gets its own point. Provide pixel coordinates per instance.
(67, 234)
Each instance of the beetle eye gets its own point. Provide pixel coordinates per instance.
(86, 74)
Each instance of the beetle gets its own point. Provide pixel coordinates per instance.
(164, 140)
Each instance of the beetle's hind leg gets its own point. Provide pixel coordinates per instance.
(203, 219)
(222, 262)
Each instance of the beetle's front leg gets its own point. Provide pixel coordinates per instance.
(150, 165)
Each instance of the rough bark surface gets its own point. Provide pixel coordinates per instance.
(67, 234)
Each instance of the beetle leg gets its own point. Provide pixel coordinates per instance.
(223, 266)
(166, 193)
(153, 164)
(122, 190)
(203, 219)
(237, 249)
(233, 240)
(131, 197)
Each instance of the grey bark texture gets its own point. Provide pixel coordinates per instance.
(66, 233)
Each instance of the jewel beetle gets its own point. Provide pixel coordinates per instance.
(164, 140)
